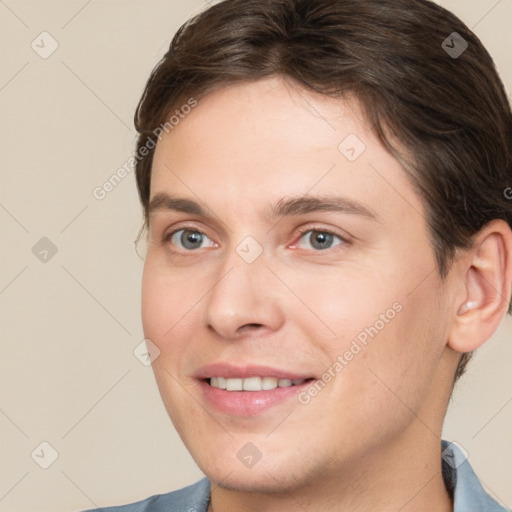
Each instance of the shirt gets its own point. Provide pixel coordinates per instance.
(459, 478)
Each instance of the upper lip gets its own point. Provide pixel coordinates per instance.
(220, 369)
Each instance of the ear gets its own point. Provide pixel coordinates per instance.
(485, 272)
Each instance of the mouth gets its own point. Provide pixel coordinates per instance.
(263, 383)
(250, 389)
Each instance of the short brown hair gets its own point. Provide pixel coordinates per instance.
(450, 112)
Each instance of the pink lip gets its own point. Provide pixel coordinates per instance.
(242, 372)
(247, 403)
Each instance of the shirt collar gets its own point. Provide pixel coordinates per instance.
(462, 482)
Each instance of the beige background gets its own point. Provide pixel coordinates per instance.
(69, 325)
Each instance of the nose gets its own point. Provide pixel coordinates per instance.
(245, 300)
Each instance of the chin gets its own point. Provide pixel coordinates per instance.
(264, 477)
(250, 481)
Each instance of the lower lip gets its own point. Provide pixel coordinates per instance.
(249, 403)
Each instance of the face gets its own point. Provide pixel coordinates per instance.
(287, 248)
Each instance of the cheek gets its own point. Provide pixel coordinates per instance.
(154, 303)
(345, 302)
(167, 312)
(387, 326)
(403, 358)
(167, 303)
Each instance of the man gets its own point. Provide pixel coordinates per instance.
(324, 188)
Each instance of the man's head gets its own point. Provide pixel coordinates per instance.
(274, 102)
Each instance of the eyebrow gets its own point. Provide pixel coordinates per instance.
(299, 205)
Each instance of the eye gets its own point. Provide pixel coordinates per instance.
(320, 239)
(189, 239)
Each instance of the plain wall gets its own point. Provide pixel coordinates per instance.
(69, 325)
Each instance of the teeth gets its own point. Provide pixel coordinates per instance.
(268, 383)
(234, 384)
(252, 383)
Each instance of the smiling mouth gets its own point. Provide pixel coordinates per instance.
(253, 383)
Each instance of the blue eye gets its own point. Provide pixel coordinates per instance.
(189, 239)
(320, 239)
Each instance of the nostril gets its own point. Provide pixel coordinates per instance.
(250, 326)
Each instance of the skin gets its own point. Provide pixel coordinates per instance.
(370, 440)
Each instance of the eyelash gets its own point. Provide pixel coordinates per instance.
(301, 232)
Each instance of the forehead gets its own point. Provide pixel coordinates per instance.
(254, 143)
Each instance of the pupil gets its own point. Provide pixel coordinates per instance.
(193, 237)
(323, 238)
